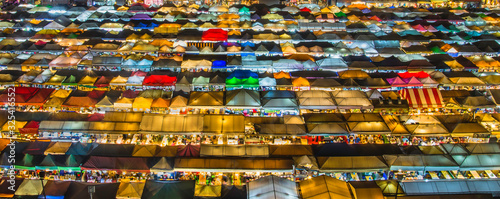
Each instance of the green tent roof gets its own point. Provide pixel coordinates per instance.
(340, 14)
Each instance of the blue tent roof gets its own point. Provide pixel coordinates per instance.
(243, 74)
(247, 44)
(219, 64)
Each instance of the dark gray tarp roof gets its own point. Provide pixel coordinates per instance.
(234, 150)
(243, 98)
(79, 190)
(232, 164)
(452, 187)
(342, 149)
(168, 189)
(113, 150)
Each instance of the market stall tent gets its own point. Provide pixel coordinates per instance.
(30, 187)
(423, 98)
(129, 189)
(421, 162)
(58, 148)
(207, 190)
(79, 190)
(242, 98)
(55, 188)
(324, 187)
(353, 163)
(366, 190)
(166, 189)
(272, 187)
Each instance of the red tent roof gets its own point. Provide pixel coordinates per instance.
(40, 43)
(305, 9)
(23, 94)
(159, 80)
(139, 73)
(189, 151)
(375, 18)
(96, 94)
(214, 35)
(40, 97)
(103, 81)
(130, 94)
(420, 74)
(96, 117)
(30, 128)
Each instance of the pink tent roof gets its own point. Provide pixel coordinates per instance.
(396, 81)
(419, 28)
(413, 81)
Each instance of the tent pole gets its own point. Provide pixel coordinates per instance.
(397, 189)
(43, 189)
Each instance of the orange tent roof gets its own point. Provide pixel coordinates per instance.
(160, 103)
(300, 82)
(281, 75)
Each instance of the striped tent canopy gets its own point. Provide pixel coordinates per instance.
(422, 97)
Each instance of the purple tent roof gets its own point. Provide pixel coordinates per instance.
(141, 17)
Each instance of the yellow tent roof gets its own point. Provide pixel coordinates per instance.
(358, 74)
(228, 17)
(207, 190)
(48, 32)
(454, 64)
(190, 25)
(61, 93)
(133, 36)
(35, 21)
(129, 189)
(57, 148)
(234, 32)
(326, 10)
(122, 8)
(118, 80)
(124, 103)
(87, 80)
(17, 126)
(142, 103)
(178, 102)
(111, 26)
(145, 47)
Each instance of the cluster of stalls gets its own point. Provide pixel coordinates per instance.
(250, 102)
(245, 79)
(271, 186)
(311, 128)
(208, 168)
(259, 38)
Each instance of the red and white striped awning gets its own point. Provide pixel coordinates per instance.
(422, 97)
